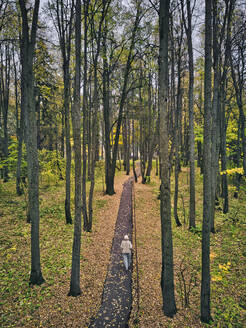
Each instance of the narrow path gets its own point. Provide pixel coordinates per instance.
(117, 294)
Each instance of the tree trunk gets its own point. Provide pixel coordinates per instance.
(167, 280)
(76, 121)
(223, 152)
(64, 34)
(199, 155)
(177, 136)
(215, 117)
(133, 152)
(19, 133)
(62, 136)
(68, 145)
(111, 165)
(85, 119)
(238, 82)
(109, 179)
(205, 285)
(192, 223)
(27, 75)
(5, 77)
(95, 126)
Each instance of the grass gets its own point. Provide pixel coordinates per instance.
(48, 305)
(228, 270)
(20, 303)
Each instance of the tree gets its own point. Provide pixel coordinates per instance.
(63, 12)
(205, 286)
(4, 100)
(96, 31)
(76, 121)
(110, 164)
(28, 40)
(178, 110)
(215, 116)
(237, 62)
(85, 115)
(188, 29)
(167, 282)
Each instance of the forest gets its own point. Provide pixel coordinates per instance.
(122, 117)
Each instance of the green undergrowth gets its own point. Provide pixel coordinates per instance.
(227, 254)
(19, 302)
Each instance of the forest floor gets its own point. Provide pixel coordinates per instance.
(49, 306)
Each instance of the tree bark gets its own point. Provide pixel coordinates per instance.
(27, 55)
(67, 141)
(177, 128)
(238, 82)
(19, 133)
(76, 121)
(167, 280)
(188, 29)
(85, 119)
(5, 84)
(64, 26)
(205, 285)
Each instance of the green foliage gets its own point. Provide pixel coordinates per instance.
(52, 167)
(228, 266)
(12, 159)
(99, 172)
(228, 313)
(198, 129)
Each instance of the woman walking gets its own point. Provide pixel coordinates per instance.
(126, 247)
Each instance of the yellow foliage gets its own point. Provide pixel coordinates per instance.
(235, 170)
(217, 278)
(212, 255)
(225, 268)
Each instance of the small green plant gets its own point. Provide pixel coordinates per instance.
(12, 159)
(187, 281)
(227, 314)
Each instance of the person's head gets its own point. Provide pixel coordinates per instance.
(126, 237)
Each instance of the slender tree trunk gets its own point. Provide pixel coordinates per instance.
(223, 151)
(19, 133)
(205, 286)
(142, 138)
(238, 82)
(62, 136)
(95, 126)
(215, 117)
(125, 132)
(177, 137)
(27, 55)
(38, 121)
(237, 162)
(65, 32)
(109, 179)
(85, 119)
(133, 152)
(112, 165)
(67, 141)
(5, 76)
(89, 129)
(167, 279)
(243, 138)
(192, 223)
(76, 121)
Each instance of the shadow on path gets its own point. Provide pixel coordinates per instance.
(117, 294)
